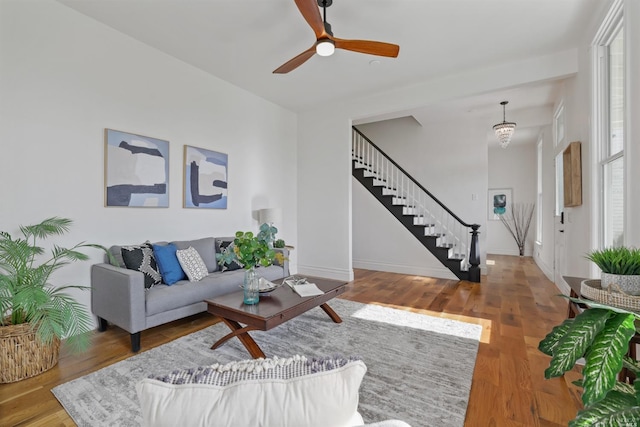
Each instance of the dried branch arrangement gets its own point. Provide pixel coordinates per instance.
(517, 219)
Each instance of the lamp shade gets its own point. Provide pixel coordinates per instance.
(270, 215)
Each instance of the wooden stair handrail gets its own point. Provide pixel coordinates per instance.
(417, 183)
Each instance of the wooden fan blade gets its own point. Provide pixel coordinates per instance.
(368, 46)
(311, 13)
(294, 63)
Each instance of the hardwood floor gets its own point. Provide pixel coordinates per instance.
(515, 304)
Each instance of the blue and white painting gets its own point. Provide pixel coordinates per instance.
(205, 178)
(137, 170)
(500, 200)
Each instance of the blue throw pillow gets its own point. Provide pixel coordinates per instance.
(168, 263)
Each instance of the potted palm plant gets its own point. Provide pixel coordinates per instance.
(601, 335)
(620, 267)
(34, 315)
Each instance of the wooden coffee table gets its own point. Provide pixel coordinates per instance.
(281, 305)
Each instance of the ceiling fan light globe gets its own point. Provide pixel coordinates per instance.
(325, 48)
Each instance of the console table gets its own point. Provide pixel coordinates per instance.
(575, 284)
(576, 308)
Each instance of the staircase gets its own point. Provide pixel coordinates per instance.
(443, 233)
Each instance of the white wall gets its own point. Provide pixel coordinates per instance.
(581, 222)
(324, 197)
(65, 77)
(317, 132)
(324, 134)
(512, 167)
(449, 160)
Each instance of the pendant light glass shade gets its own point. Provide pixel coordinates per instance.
(504, 131)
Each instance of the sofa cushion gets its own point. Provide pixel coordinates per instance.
(141, 258)
(163, 298)
(205, 247)
(192, 264)
(168, 263)
(294, 391)
(221, 245)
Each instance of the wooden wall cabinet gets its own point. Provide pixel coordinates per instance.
(572, 174)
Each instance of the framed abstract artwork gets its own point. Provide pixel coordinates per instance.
(205, 178)
(500, 199)
(136, 170)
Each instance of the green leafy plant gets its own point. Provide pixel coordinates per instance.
(252, 251)
(267, 233)
(26, 296)
(601, 335)
(278, 244)
(620, 260)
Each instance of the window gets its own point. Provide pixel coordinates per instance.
(609, 127)
(558, 124)
(558, 141)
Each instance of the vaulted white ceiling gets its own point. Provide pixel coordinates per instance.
(243, 41)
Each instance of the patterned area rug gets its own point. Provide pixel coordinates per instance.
(419, 367)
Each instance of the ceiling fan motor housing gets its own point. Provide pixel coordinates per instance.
(325, 43)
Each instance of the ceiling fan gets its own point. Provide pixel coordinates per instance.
(325, 42)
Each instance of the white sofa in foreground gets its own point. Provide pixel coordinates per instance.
(272, 392)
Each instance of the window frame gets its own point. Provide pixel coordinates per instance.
(601, 130)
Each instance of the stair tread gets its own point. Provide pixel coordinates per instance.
(450, 255)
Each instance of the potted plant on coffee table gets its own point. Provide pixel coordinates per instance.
(251, 251)
(620, 267)
(601, 335)
(34, 315)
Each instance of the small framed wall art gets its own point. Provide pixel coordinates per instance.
(205, 178)
(500, 200)
(136, 170)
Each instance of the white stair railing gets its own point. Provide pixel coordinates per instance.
(438, 220)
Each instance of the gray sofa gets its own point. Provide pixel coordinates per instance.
(119, 296)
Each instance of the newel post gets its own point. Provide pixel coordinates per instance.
(474, 255)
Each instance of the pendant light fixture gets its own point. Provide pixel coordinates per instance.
(504, 131)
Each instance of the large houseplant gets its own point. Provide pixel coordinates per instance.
(601, 334)
(34, 315)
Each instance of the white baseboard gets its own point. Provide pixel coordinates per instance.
(442, 273)
(563, 287)
(544, 267)
(329, 273)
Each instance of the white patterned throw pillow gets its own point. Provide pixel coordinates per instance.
(283, 392)
(192, 264)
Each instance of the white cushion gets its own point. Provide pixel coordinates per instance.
(192, 264)
(264, 392)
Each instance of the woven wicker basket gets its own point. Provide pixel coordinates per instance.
(612, 296)
(22, 355)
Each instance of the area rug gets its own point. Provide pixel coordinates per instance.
(419, 367)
